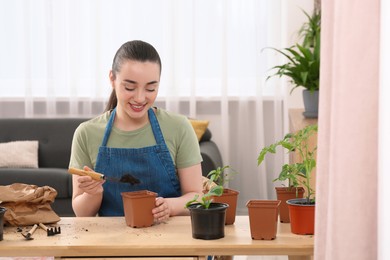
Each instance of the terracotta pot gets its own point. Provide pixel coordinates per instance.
(263, 218)
(286, 193)
(208, 223)
(301, 216)
(138, 207)
(229, 197)
(2, 211)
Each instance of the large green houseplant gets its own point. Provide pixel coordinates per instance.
(297, 174)
(303, 63)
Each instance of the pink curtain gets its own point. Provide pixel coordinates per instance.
(346, 207)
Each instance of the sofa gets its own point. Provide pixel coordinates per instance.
(54, 136)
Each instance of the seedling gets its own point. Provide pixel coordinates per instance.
(217, 179)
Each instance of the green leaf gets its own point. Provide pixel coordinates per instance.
(216, 191)
(261, 157)
(194, 200)
(302, 67)
(287, 145)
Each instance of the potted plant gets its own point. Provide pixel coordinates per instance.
(222, 176)
(208, 217)
(283, 193)
(263, 218)
(303, 63)
(298, 174)
(137, 206)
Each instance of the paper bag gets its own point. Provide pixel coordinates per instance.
(28, 204)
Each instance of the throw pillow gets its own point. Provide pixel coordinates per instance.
(19, 154)
(199, 126)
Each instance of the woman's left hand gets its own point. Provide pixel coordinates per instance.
(162, 211)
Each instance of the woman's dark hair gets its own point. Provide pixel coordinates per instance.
(132, 50)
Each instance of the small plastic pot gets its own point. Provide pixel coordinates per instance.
(208, 223)
(138, 207)
(302, 216)
(263, 218)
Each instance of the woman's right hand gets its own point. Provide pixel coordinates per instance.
(88, 185)
(87, 195)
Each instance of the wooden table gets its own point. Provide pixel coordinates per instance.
(110, 237)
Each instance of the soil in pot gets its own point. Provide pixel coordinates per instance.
(138, 207)
(208, 223)
(263, 218)
(229, 197)
(302, 216)
(286, 193)
(2, 211)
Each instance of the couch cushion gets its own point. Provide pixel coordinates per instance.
(59, 179)
(200, 127)
(19, 154)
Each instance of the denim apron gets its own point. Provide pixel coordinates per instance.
(152, 165)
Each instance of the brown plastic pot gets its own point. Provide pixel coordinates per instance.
(229, 197)
(284, 194)
(302, 216)
(263, 218)
(138, 207)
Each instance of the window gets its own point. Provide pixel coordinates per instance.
(64, 48)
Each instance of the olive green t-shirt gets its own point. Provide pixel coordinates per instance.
(178, 133)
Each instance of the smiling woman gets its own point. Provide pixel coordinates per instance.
(158, 147)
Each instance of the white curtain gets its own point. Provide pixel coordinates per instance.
(347, 171)
(56, 56)
(384, 138)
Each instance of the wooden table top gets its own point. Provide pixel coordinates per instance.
(109, 236)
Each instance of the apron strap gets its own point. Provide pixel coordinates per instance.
(156, 127)
(109, 127)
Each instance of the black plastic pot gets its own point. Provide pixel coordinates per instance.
(2, 211)
(208, 223)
